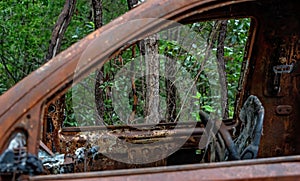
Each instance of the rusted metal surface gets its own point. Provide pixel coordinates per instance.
(285, 168)
(44, 147)
(109, 139)
(277, 46)
(260, 172)
(271, 73)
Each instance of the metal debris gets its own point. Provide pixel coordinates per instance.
(18, 161)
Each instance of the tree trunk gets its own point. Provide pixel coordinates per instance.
(56, 109)
(131, 4)
(152, 80)
(97, 10)
(99, 98)
(133, 87)
(60, 28)
(148, 50)
(221, 68)
(170, 71)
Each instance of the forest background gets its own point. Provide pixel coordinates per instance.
(27, 33)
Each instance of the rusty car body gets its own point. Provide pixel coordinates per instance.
(271, 72)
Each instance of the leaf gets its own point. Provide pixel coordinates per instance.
(208, 108)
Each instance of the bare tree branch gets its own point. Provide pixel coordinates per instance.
(60, 28)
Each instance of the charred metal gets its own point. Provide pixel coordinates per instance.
(261, 142)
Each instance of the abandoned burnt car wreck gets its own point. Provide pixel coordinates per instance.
(183, 136)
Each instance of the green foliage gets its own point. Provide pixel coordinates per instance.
(237, 35)
(25, 33)
(236, 38)
(113, 9)
(206, 97)
(26, 28)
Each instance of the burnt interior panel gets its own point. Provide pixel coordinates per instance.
(274, 62)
